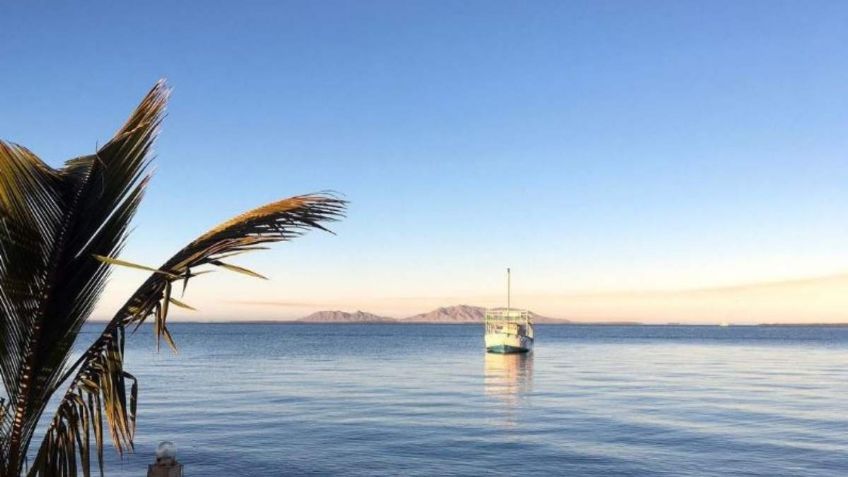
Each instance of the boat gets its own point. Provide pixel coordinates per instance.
(508, 330)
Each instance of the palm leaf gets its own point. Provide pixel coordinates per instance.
(52, 223)
(100, 377)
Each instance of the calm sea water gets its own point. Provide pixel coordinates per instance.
(361, 400)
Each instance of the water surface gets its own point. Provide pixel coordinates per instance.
(361, 400)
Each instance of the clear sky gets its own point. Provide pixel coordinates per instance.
(598, 148)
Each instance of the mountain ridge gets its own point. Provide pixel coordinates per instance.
(466, 314)
(336, 316)
(456, 314)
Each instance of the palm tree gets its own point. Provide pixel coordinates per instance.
(60, 232)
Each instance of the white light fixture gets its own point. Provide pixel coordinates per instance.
(166, 450)
(166, 464)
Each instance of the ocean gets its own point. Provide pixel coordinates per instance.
(426, 400)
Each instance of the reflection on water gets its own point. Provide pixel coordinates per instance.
(508, 376)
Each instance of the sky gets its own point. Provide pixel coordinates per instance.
(662, 161)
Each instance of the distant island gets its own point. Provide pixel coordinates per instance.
(345, 317)
(459, 314)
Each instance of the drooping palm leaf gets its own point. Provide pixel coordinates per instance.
(52, 223)
(98, 390)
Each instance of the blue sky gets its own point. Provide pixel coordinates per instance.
(591, 146)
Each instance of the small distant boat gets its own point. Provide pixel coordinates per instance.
(724, 324)
(508, 331)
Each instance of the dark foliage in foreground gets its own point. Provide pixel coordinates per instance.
(60, 232)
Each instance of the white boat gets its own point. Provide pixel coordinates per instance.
(508, 331)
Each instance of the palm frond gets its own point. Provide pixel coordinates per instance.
(101, 381)
(52, 222)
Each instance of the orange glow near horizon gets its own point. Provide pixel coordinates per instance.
(808, 300)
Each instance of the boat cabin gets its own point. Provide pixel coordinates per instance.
(509, 322)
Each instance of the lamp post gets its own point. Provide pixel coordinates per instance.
(166, 464)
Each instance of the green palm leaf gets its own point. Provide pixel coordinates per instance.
(60, 232)
(101, 378)
(53, 222)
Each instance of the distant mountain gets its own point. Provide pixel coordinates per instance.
(465, 314)
(450, 314)
(458, 314)
(345, 317)
(545, 320)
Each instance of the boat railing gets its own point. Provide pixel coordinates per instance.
(495, 319)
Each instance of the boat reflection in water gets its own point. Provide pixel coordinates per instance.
(508, 376)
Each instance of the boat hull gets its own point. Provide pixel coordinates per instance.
(508, 343)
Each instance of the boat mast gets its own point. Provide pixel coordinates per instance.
(508, 292)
